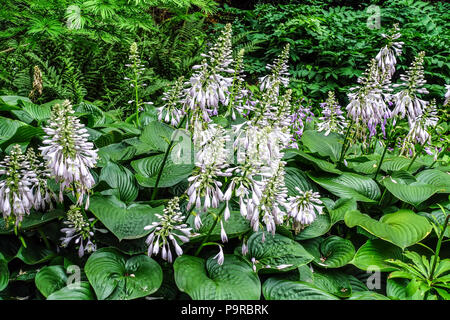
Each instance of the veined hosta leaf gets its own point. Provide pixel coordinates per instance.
(402, 228)
(282, 289)
(157, 135)
(125, 222)
(33, 220)
(414, 193)
(83, 291)
(115, 277)
(332, 252)
(350, 185)
(8, 127)
(207, 280)
(321, 164)
(319, 227)
(436, 178)
(367, 295)
(276, 251)
(34, 253)
(8, 103)
(37, 112)
(334, 282)
(396, 289)
(121, 179)
(374, 253)
(330, 145)
(147, 171)
(338, 209)
(50, 279)
(399, 163)
(294, 177)
(4, 272)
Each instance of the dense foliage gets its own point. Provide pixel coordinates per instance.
(151, 149)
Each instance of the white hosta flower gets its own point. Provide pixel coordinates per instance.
(279, 72)
(304, 207)
(211, 145)
(332, 119)
(16, 195)
(386, 56)
(68, 153)
(208, 84)
(168, 230)
(170, 112)
(80, 230)
(447, 95)
(406, 101)
(220, 256)
(43, 196)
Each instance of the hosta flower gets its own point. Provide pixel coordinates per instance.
(220, 256)
(80, 230)
(386, 56)
(43, 196)
(332, 119)
(208, 84)
(304, 207)
(174, 97)
(68, 153)
(447, 95)
(298, 118)
(407, 101)
(279, 72)
(211, 145)
(16, 195)
(168, 230)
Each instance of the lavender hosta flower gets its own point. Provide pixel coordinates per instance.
(211, 146)
(386, 56)
(303, 208)
(168, 230)
(43, 196)
(332, 119)
(220, 256)
(298, 119)
(80, 230)
(279, 72)
(68, 153)
(207, 86)
(170, 112)
(406, 101)
(447, 95)
(16, 195)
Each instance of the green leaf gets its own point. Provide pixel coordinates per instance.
(414, 193)
(207, 280)
(157, 135)
(8, 127)
(332, 252)
(115, 277)
(121, 179)
(332, 281)
(351, 186)
(34, 253)
(374, 253)
(50, 279)
(319, 227)
(396, 289)
(37, 112)
(402, 228)
(276, 250)
(83, 291)
(329, 146)
(147, 170)
(294, 177)
(282, 289)
(33, 220)
(340, 207)
(124, 222)
(399, 163)
(23, 133)
(436, 178)
(4, 272)
(321, 164)
(367, 295)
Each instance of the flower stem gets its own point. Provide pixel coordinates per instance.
(344, 147)
(218, 217)
(438, 246)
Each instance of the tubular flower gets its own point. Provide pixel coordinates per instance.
(447, 95)
(68, 153)
(238, 98)
(16, 195)
(298, 119)
(170, 112)
(303, 208)
(80, 230)
(279, 72)
(386, 57)
(43, 196)
(169, 229)
(332, 119)
(208, 85)
(407, 101)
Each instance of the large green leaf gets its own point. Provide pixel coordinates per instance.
(34, 253)
(37, 112)
(276, 251)
(402, 228)
(367, 295)
(125, 222)
(282, 289)
(319, 227)
(50, 279)
(330, 145)
(147, 170)
(157, 135)
(374, 253)
(33, 220)
(414, 193)
(207, 280)
(332, 252)
(350, 185)
(115, 277)
(399, 163)
(83, 291)
(339, 208)
(332, 281)
(436, 178)
(294, 177)
(8, 127)
(4, 272)
(23, 133)
(121, 179)
(321, 164)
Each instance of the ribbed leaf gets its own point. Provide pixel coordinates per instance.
(414, 193)
(4, 272)
(281, 289)
(207, 280)
(374, 253)
(319, 227)
(436, 178)
(294, 177)
(367, 295)
(157, 135)
(321, 164)
(121, 179)
(330, 145)
(50, 279)
(83, 291)
(332, 252)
